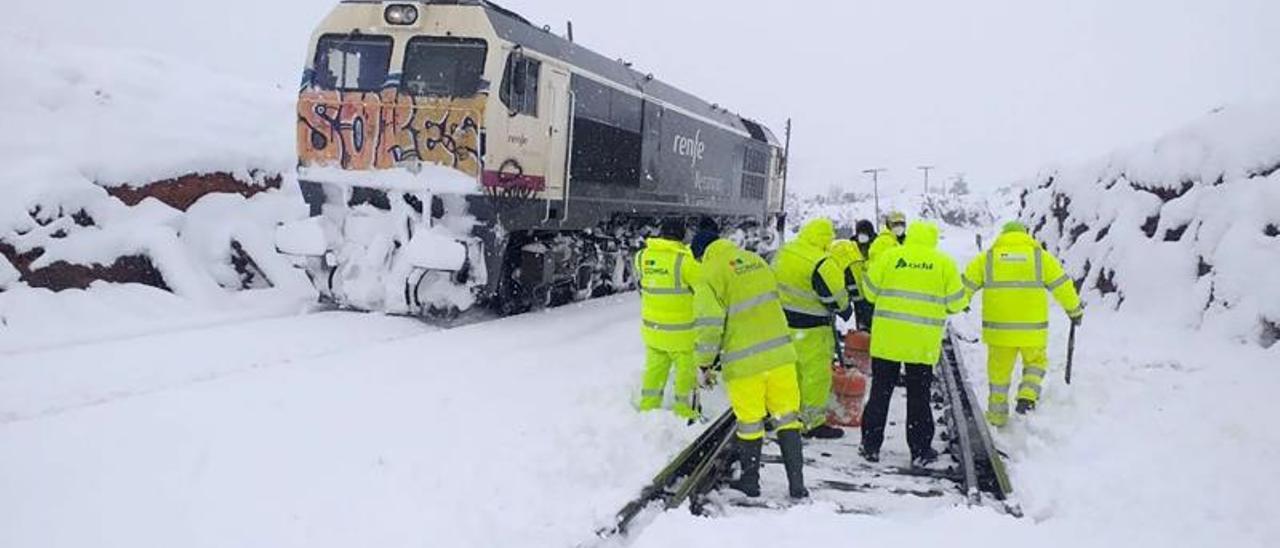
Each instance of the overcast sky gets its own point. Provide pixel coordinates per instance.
(992, 88)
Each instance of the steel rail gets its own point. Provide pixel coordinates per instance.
(686, 464)
(960, 423)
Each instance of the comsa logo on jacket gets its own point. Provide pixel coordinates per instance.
(922, 265)
(651, 267)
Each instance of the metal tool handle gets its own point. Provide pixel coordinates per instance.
(1071, 350)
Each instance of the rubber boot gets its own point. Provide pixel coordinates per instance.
(749, 460)
(793, 458)
(924, 458)
(1025, 406)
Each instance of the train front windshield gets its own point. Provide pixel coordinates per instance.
(352, 62)
(444, 67)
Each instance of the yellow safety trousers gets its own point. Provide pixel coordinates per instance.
(1000, 363)
(815, 349)
(774, 392)
(657, 367)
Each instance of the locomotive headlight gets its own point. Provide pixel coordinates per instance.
(401, 14)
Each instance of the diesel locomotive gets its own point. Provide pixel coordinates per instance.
(455, 155)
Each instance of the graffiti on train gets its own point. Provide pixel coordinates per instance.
(383, 130)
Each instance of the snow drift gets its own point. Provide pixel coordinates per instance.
(1178, 230)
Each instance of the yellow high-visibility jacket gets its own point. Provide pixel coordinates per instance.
(1013, 277)
(849, 258)
(812, 285)
(739, 313)
(884, 242)
(667, 274)
(914, 287)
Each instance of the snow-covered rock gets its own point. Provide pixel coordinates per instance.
(87, 128)
(1181, 230)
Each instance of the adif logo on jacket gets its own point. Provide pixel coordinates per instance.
(922, 265)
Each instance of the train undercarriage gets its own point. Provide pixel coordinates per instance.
(428, 255)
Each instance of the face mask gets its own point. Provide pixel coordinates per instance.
(863, 238)
(899, 230)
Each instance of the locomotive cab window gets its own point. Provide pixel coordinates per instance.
(356, 62)
(444, 67)
(520, 84)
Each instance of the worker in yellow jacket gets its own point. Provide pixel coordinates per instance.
(892, 235)
(914, 287)
(813, 290)
(667, 273)
(741, 327)
(1014, 276)
(849, 258)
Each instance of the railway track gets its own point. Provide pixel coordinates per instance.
(970, 473)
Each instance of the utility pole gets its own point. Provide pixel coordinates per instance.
(926, 170)
(875, 181)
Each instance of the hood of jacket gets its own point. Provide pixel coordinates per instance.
(718, 249)
(818, 233)
(1016, 239)
(845, 253)
(922, 234)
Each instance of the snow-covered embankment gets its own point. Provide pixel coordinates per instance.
(124, 166)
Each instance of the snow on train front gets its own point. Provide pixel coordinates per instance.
(391, 127)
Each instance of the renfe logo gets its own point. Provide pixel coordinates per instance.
(692, 148)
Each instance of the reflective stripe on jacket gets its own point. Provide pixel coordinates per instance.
(667, 273)
(739, 313)
(914, 288)
(812, 287)
(1014, 276)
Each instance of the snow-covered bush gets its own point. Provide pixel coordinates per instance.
(967, 211)
(1184, 230)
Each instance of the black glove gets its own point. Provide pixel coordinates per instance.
(1076, 321)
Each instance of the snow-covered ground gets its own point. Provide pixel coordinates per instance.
(332, 430)
(1161, 440)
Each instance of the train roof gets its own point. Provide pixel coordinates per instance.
(509, 25)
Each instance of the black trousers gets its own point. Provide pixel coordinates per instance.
(884, 377)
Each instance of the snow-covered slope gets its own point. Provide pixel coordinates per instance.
(83, 124)
(1184, 230)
